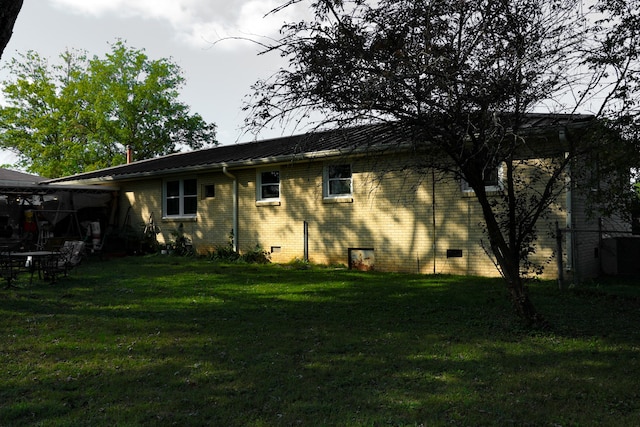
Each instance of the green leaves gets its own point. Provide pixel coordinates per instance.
(80, 114)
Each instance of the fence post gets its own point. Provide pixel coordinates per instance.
(559, 257)
(306, 241)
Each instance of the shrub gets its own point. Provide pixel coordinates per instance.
(180, 244)
(257, 255)
(225, 253)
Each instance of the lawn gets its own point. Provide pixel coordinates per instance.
(178, 341)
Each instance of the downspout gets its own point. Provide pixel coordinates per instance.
(433, 218)
(569, 205)
(235, 207)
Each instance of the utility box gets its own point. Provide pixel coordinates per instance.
(620, 256)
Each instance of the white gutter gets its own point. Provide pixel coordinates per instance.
(235, 207)
(569, 204)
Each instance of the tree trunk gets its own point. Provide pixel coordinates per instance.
(508, 260)
(523, 305)
(9, 10)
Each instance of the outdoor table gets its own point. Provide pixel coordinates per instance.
(33, 260)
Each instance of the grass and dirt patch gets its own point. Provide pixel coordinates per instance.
(181, 341)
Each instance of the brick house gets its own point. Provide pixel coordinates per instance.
(347, 197)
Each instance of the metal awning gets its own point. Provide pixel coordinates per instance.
(23, 188)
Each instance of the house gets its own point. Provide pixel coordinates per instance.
(349, 197)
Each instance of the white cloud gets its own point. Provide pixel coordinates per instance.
(196, 22)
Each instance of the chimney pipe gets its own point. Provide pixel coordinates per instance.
(129, 154)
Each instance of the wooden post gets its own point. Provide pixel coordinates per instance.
(559, 257)
(306, 241)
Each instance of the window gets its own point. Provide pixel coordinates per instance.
(337, 181)
(492, 180)
(268, 185)
(180, 198)
(208, 191)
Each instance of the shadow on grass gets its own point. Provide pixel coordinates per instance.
(195, 343)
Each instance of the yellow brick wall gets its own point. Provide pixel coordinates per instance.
(214, 221)
(394, 212)
(139, 200)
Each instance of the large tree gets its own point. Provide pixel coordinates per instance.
(463, 75)
(81, 114)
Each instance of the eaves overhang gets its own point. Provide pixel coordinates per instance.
(342, 143)
(242, 164)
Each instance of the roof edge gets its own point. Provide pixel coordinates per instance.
(124, 172)
(277, 160)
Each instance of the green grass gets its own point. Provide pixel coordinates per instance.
(175, 341)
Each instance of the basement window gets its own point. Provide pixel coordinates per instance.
(454, 253)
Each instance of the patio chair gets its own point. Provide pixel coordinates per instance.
(64, 260)
(53, 266)
(74, 251)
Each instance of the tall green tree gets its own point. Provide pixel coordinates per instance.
(80, 114)
(463, 75)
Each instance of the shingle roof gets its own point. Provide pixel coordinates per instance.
(11, 175)
(25, 184)
(270, 150)
(310, 145)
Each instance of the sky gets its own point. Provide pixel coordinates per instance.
(219, 72)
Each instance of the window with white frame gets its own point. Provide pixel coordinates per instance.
(492, 180)
(268, 185)
(338, 180)
(180, 198)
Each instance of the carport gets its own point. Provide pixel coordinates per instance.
(34, 214)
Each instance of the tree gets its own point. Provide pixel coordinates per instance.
(462, 75)
(81, 114)
(9, 10)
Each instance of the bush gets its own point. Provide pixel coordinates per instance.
(180, 244)
(256, 256)
(225, 253)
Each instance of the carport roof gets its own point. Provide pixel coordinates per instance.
(18, 183)
(11, 175)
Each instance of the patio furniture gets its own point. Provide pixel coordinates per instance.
(28, 261)
(64, 260)
(9, 268)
